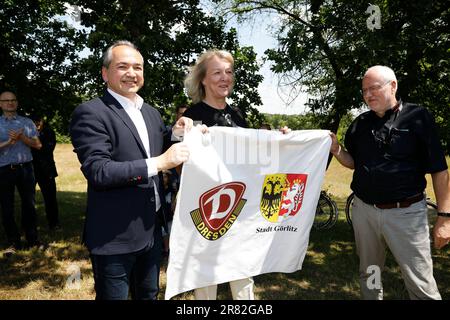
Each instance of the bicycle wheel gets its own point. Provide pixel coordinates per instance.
(348, 209)
(326, 213)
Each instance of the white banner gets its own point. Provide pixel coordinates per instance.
(246, 205)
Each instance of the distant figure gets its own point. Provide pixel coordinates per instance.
(170, 194)
(45, 171)
(180, 109)
(176, 172)
(18, 135)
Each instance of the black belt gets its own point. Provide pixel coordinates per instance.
(400, 204)
(16, 166)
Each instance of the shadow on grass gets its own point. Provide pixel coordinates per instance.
(330, 268)
(47, 265)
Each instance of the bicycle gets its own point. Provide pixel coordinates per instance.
(348, 207)
(326, 212)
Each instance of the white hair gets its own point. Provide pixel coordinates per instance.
(385, 72)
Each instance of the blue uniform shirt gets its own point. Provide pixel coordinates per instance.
(18, 152)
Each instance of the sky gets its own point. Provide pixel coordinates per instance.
(257, 33)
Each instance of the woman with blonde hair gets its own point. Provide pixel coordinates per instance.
(209, 82)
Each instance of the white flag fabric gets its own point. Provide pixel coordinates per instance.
(246, 205)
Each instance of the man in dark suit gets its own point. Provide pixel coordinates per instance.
(119, 141)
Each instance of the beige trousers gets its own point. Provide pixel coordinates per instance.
(240, 290)
(406, 233)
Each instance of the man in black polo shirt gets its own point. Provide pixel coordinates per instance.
(391, 148)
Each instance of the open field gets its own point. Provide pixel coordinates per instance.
(329, 270)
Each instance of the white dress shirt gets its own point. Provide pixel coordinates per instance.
(133, 109)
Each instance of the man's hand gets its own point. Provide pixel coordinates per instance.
(15, 135)
(285, 130)
(183, 124)
(203, 128)
(175, 155)
(335, 146)
(31, 142)
(441, 232)
(441, 187)
(340, 154)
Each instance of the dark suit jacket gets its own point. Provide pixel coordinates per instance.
(120, 214)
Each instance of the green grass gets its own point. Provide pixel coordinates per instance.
(329, 270)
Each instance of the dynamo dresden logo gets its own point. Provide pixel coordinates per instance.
(219, 209)
(282, 196)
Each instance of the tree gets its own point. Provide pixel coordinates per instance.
(326, 46)
(306, 121)
(170, 34)
(36, 50)
(245, 92)
(53, 66)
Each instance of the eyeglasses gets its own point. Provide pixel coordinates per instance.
(9, 100)
(374, 88)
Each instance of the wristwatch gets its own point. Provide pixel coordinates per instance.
(444, 214)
